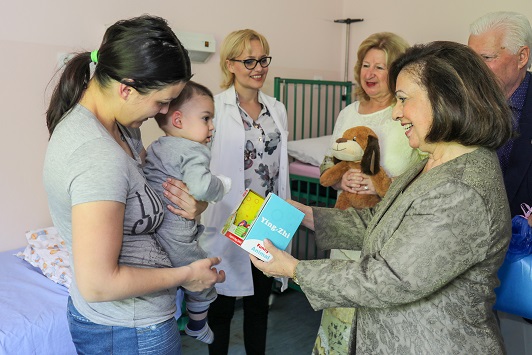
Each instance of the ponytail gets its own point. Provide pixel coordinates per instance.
(68, 91)
(142, 52)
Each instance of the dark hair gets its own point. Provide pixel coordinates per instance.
(467, 103)
(190, 90)
(142, 52)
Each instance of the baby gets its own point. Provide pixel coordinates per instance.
(183, 154)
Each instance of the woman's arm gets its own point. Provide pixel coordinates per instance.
(335, 228)
(96, 244)
(439, 237)
(308, 220)
(177, 192)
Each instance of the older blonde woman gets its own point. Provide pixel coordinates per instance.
(373, 109)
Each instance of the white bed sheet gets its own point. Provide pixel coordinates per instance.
(309, 150)
(32, 310)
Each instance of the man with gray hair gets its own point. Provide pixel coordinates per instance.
(503, 40)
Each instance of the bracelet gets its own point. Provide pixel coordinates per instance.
(294, 275)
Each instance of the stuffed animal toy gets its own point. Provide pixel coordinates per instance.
(358, 148)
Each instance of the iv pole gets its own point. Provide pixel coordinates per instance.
(348, 22)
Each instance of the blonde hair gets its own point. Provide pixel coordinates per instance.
(235, 44)
(391, 44)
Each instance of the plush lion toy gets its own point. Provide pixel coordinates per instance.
(358, 148)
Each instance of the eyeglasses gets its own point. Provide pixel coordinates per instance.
(250, 64)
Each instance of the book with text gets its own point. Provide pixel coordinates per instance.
(257, 218)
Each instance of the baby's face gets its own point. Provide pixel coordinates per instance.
(196, 119)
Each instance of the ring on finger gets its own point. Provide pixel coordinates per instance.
(366, 187)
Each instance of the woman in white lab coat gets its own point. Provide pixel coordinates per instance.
(249, 146)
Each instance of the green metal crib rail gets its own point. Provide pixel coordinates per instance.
(312, 105)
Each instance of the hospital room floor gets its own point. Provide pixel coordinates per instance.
(292, 328)
(293, 325)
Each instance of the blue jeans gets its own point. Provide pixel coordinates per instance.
(91, 338)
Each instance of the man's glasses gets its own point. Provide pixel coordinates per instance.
(250, 64)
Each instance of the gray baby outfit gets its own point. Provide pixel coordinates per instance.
(187, 161)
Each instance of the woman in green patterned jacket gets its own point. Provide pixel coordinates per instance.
(430, 250)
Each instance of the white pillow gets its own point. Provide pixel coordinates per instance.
(309, 150)
(47, 251)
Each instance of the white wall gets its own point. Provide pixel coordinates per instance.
(304, 40)
(420, 21)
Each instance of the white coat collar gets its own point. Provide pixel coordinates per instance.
(229, 98)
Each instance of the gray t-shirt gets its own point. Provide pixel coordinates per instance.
(83, 164)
